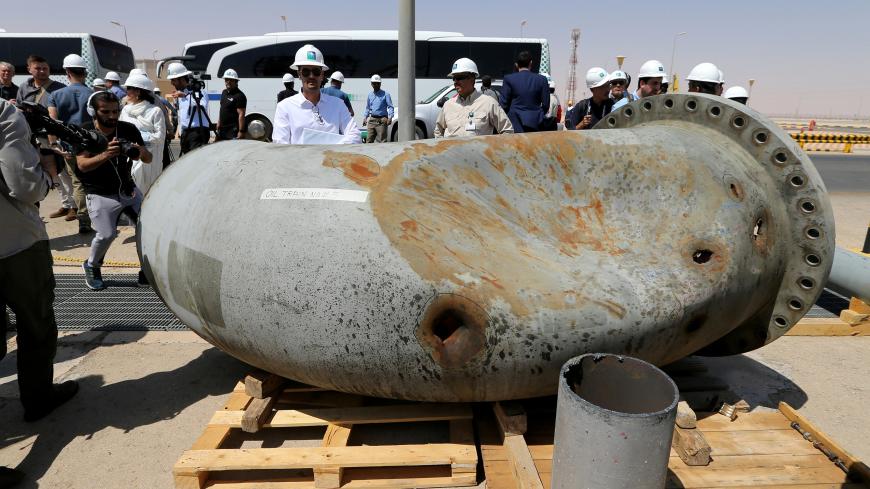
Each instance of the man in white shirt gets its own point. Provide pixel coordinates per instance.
(312, 117)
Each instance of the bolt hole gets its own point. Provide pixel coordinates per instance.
(813, 233)
(797, 181)
(702, 256)
(761, 137)
(715, 111)
(813, 260)
(780, 321)
(611, 122)
(808, 206)
(647, 106)
(446, 324)
(738, 122)
(691, 105)
(758, 228)
(795, 305)
(780, 157)
(669, 103)
(628, 112)
(806, 283)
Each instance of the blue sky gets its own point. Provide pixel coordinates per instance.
(811, 57)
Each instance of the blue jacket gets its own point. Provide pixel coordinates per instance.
(525, 97)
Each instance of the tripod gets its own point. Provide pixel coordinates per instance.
(192, 137)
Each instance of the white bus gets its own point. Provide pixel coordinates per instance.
(101, 54)
(261, 61)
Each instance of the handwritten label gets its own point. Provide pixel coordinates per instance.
(314, 194)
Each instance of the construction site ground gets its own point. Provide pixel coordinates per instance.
(146, 395)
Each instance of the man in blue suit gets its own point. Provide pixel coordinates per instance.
(525, 96)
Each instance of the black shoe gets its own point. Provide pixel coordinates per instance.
(93, 277)
(10, 477)
(85, 229)
(60, 393)
(142, 281)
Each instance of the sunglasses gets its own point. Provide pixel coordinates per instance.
(461, 77)
(310, 71)
(618, 83)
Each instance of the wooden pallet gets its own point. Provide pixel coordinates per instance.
(757, 449)
(217, 459)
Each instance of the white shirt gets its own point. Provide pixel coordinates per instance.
(185, 114)
(296, 113)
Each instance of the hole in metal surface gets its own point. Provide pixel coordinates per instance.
(669, 103)
(758, 228)
(647, 105)
(761, 137)
(702, 256)
(611, 122)
(780, 321)
(795, 304)
(797, 181)
(780, 158)
(808, 206)
(738, 122)
(715, 111)
(813, 233)
(813, 260)
(736, 190)
(806, 283)
(628, 112)
(691, 105)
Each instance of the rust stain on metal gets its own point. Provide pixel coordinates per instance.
(359, 168)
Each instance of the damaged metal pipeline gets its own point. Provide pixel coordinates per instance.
(473, 268)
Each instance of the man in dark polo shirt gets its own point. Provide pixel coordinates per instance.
(108, 182)
(38, 87)
(231, 122)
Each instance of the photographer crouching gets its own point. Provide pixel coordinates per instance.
(26, 276)
(107, 180)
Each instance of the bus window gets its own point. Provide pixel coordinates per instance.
(203, 54)
(493, 58)
(15, 50)
(112, 55)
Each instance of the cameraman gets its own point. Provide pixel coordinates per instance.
(108, 182)
(26, 277)
(193, 122)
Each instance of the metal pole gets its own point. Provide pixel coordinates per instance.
(407, 71)
(614, 420)
(122, 26)
(674, 52)
(850, 274)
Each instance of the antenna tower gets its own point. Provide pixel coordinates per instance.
(571, 88)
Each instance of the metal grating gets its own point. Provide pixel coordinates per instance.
(120, 307)
(125, 307)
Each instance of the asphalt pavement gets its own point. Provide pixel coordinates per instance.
(843, 172)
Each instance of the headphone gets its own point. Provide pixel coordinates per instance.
(91, 106)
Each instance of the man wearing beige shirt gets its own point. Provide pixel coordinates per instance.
(470, 113)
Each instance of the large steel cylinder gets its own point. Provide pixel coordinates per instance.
(614, 423)
(473, 268)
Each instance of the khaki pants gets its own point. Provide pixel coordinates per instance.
(377, 127)
(27, 287)
(78, 193)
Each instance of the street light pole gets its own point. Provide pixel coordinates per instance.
(284, 18)
(122, 26)
(674, 52)
(407, 71)
(522, 25)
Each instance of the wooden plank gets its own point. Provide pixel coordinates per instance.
(190, 481)
(310, 457)
(260, 385)
(330, 477)
(385, 483)
(355, 415)
(852, 318)
(686, 417)
(855, 466)
(859, 306)
(787, 486)
(511, 418)
(521, 461)
(758, 443)
(691, 446)
(758, 420)
(254, 416)
(212, 437)
(828, 327)
(237, 401)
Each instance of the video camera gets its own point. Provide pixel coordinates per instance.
(41, 125)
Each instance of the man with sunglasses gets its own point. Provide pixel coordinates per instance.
(470, 113)
(311, 116)
(619, 86)
(649, 82)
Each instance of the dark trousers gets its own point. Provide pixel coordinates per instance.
(193, 138)
(27, 287)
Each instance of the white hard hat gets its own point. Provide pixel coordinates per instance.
(652, 69)
(99, 82)
(618, 75)
(550, 81)
(721, 77)
(137, 71)
(112, 76)
(156, 89)
(736, 92)
(596, 77)
(177, 70)
(74, 61)
(139, 81)
(308, 55)
(287, 78)
(231, 74)
(375, 79)
(704, 72)
(338, 76)
(463, 65)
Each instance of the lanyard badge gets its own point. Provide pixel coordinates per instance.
(469, 126)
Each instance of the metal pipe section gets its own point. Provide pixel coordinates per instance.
(850, 275)
(407, 70)
(614, 423)
(472, 269)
